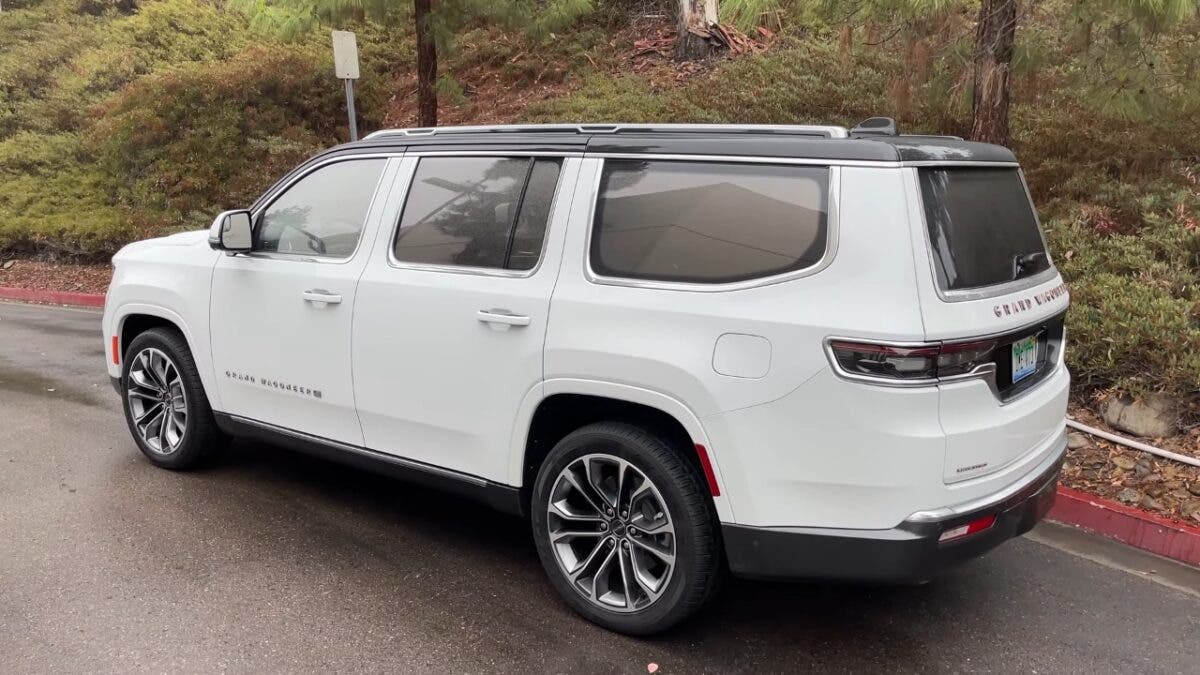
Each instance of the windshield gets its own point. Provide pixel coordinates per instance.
(982, 228)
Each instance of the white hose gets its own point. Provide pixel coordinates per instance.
(1136, 445)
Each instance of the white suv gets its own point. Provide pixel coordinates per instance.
(792, 352)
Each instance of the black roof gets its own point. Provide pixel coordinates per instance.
(819, 143)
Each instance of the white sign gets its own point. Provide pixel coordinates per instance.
(345, 55)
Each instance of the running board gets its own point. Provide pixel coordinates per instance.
(503, 498)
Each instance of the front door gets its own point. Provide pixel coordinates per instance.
(281, 314)
(451, 315)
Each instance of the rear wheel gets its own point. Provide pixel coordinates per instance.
(165, 406)
(625, 528)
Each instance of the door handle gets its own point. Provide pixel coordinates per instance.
(320, 295)
(501, 319)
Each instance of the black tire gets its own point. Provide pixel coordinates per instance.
(201, 438)
(696, 536)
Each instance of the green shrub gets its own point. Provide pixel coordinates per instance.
(1134, 322)
(193, 140)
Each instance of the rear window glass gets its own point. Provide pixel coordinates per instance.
(477, 212)
(982, 227)
(708, 222)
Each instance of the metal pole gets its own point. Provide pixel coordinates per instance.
(350, 109)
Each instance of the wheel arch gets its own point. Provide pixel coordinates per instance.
(561, 406)
(133, 319)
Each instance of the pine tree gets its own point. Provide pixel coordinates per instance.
(994, 37)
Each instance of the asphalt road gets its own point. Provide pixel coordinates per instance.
(271, 561)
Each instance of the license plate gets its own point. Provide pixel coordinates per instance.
(1024, 358)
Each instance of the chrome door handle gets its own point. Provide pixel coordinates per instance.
(501, 319)
(320, 295)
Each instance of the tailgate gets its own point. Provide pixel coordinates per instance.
(984, 274)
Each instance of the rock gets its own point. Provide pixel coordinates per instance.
(8, 264)
(1130, 496)
(1142, 468)
(1194, 487)
(1153, 416)
(1076, 440)
(1156, 491)
(1151, 503)
(1123, 461)
(1191, 509)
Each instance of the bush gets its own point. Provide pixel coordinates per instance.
(193, 140)
(1134, 322)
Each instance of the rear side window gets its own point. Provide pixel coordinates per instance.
(982, 228)
(708, 222)
(477, 212)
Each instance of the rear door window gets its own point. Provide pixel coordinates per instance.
(488, 212)
(982, 227)
(708, 222)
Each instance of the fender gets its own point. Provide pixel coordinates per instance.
(200, 356)
(621, 392)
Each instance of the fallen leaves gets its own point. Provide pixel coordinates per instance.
(49, 276)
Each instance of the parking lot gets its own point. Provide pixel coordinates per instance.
(271, 561)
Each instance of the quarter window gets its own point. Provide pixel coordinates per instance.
(322, 214)
(477, 212)
(708, 222)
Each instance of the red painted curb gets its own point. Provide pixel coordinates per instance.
(1135, 527)
(52, 297)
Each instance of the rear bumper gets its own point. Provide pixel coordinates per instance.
(906, 553)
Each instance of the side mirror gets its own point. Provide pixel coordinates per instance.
(231, 232)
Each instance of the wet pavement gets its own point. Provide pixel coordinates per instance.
(271, 561)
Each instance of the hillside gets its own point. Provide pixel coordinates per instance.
(122, 119)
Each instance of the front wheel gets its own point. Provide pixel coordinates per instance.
(625, 528)
(165, 405)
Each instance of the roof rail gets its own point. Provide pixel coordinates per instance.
(787, 129)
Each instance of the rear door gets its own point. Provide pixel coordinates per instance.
(985, 275)
(450, 320)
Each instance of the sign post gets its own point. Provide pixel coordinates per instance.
(345, 66)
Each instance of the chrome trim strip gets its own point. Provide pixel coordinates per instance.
(365, 452)
(959, 162)
(750, 159)
(832, 222)
(278, 190)
(1058, 450)
(612, 128)
(515, 153)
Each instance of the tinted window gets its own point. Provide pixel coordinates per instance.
(982, 228)
(535, 213)
(323, 212)
(465, 211)
(708, 222)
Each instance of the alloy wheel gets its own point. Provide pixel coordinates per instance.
(157, 400)
(611, 533)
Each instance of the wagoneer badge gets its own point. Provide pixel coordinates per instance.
(274, 384)
(1025, 304)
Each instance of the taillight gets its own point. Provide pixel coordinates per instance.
(910, 363)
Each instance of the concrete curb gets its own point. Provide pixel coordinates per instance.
(52, 297)
(1126, 524)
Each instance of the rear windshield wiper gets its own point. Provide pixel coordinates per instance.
(1025, 264)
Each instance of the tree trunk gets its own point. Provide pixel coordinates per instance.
(427, 68)
(993, 69)
(695, 16)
